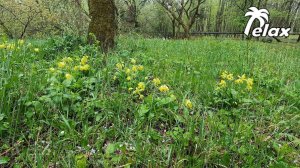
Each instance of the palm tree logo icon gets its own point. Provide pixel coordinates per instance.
(261, 15)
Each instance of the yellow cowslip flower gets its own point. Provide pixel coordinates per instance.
(61, 64)
(222, 84)
(133, 61)
(52, 69)
(134, 68)
(224, 74)
(68, 76)
(2, 46)
(84, 60)
(250, 81)
(188, 104)
(76, 68)
(36, 50)
(239, 81)
(229, 77)
(249, 84)
(21, 42)
(128, 78)
(85, 67)
(156, 81)
(119, 66)
(67, 59)
(163, 88)
(141, 86)
(10, 46)
(249, 87)
(127, 71)
(141, 96)
(243, 77)
(140, 67)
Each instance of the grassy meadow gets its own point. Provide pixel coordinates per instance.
(206, 102)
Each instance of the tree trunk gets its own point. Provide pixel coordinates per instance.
(186, 30)
(173, 28)
(103, 23)
(298, 39)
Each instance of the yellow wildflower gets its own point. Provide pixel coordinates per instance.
(85, 67)
(156, 81)
(164, 88)
(76, 68)
(222, 84)
(140, 67)
(239, 81)
(67, 59)
(141, 86)
(52, 69)
(68, 76)
(243, 77)
(61, 64)
(128, 78)
(224, 75)
(249, 84)
(84, 60)
(127, 71)
(10, 47)
(229, 77)
(134, 68)
(2, 46)
(133, 61)
(119, 66)
(21, 42)
(36, 50)
(188, 104)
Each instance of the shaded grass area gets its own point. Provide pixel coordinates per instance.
(95, 120)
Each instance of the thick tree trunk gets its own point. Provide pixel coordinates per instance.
(298, 39)
(103, 23)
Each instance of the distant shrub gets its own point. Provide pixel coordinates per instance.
(65, 44)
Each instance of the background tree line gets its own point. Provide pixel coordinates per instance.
(166, 18)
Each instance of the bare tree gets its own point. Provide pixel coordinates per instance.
(134, 8)
(184, 12)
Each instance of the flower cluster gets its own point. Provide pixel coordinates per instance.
(68, 68)
(132, 76)
(17, 46)
(228, 79)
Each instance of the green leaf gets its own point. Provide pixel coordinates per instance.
(81, 161)
(1, 116)
(143, 110)
(3, 160)
(111, 148)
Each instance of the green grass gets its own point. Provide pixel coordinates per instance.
(63, 124)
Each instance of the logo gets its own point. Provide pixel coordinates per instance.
(262, 15)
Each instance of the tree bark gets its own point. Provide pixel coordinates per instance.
(103, 23)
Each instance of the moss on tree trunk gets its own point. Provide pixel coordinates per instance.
(103, 23)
